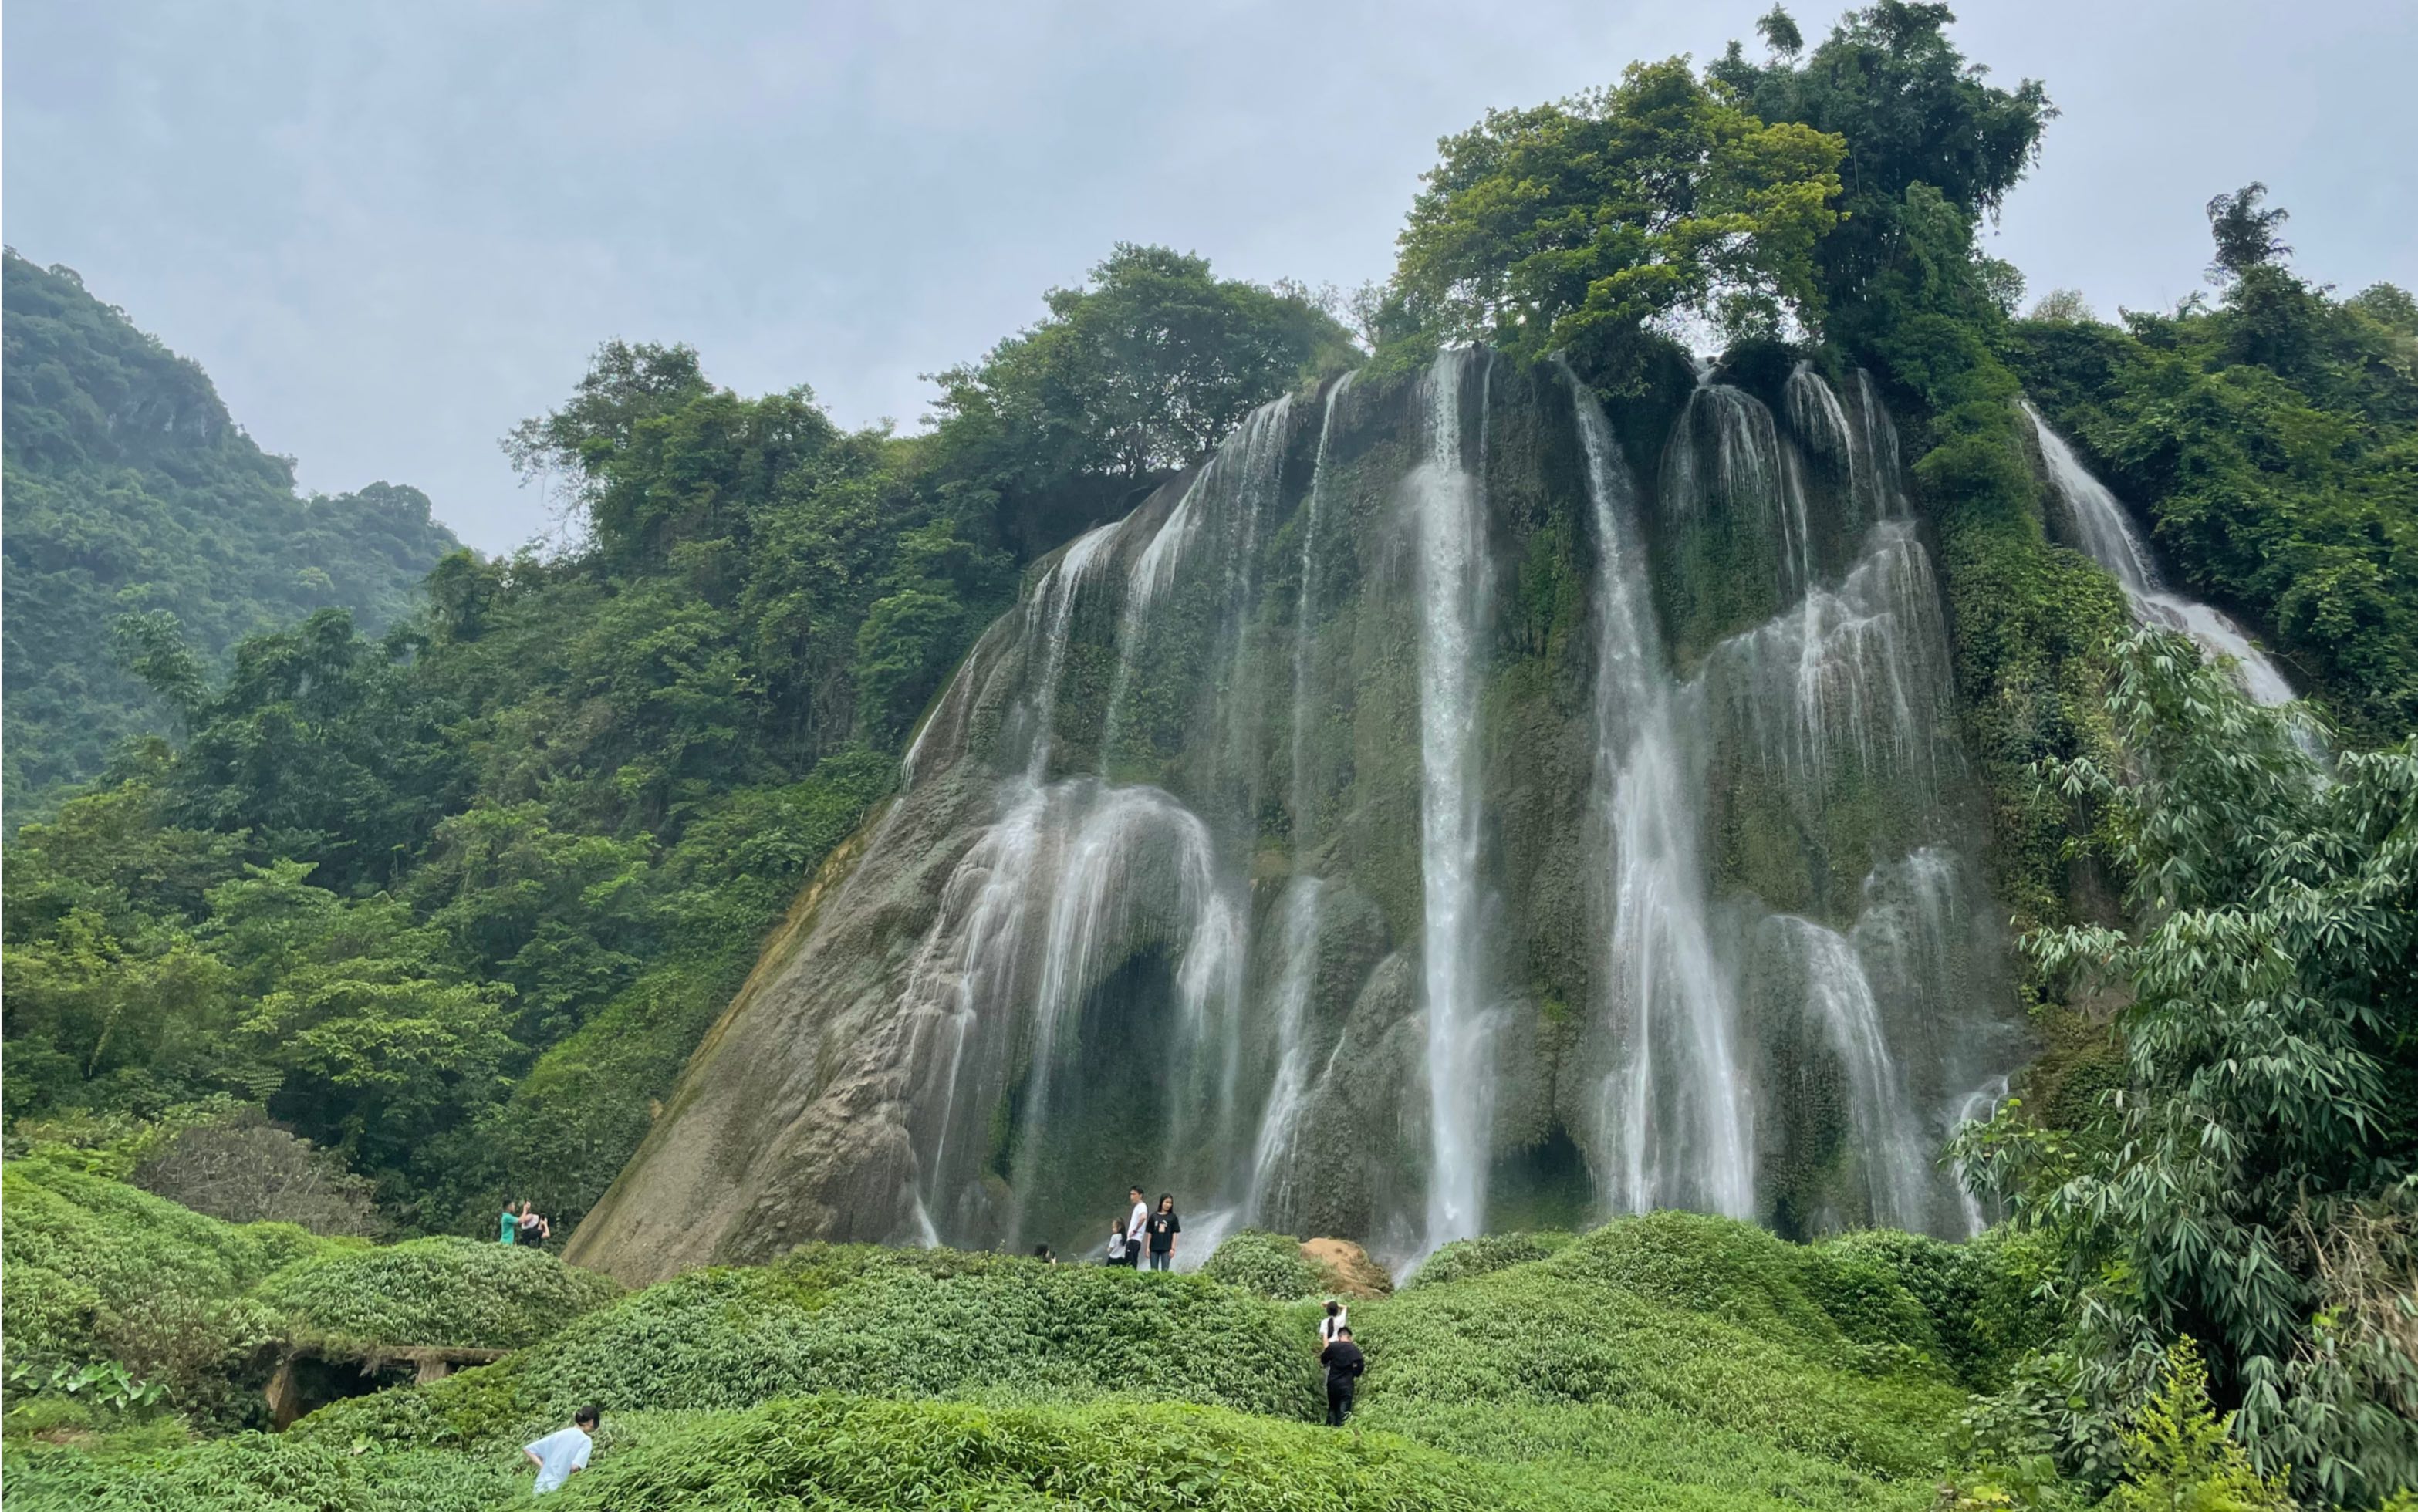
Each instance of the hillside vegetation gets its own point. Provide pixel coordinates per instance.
(1668, 1361)
(132, 493)
(457, 901)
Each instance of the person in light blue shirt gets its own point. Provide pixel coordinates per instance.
(561, 1455)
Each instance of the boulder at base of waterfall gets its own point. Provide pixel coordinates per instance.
(1345, 1270)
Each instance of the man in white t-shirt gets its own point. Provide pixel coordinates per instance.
(1137, 1228)
(561, 1455)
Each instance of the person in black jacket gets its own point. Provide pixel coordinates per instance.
(1344, 1362)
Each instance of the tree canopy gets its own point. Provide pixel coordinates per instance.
(1139, 371)
(1572, 226)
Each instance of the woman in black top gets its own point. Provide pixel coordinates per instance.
(1164, 1227)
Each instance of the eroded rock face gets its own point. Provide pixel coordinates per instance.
(1341, 842)
(1345, 1270)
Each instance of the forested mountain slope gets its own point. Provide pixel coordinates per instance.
(130, 490)
(459, 900)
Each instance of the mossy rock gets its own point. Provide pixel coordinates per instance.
(1271, 1264)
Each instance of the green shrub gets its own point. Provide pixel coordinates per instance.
(1979, 1300)
(1488, 1253)
(1267, 1263)
(903, 1324)
(836, 1453)
(444, 1290)
(96, 1271)
(258, 1473)
(1669, 1315)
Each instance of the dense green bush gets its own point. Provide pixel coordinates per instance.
(444, 1290)
(1488, 1253)
(838, 1453)
(894, 1322)
(1267, 1263)
(258, 1473)
(96, 1270)
(1673, 1314)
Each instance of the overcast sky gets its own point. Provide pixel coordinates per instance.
(389, 232)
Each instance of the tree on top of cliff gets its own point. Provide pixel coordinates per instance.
(1573, 227)
(1141, 370)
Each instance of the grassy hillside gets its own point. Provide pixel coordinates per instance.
(1667, 1361)
(96, 1273)
(131, 490)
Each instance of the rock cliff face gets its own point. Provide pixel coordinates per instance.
(1423, 818)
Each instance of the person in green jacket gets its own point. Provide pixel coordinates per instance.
(511, 1226)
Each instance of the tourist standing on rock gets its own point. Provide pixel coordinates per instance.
(564, 1453)
(1344, 1362)
(1164, 1227)
(512, 1225)
(1137, 1228)
(1337, 1321)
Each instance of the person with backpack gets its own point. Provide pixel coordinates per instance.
(1344, 1362)
(1164, 1226)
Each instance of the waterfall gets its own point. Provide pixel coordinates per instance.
(1447, 504)
(1578, 806)
(1676, 1114)
(1272, 1152)
(1979, 1106)
(1305, 620)
(1141, 867)
(1829, 974)
(2106, 534)
(1052, 614)
(1223, 504)
(967, 965)
(1854, 682)
(1747, 481)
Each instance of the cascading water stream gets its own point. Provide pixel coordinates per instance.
(1305, 619)
(1676, 1115)
(2107, 537)
(1272, 1153)
(1447, 504)
(1857, 676)
(1750, 478)
(1979, 1106)
(1837, 993)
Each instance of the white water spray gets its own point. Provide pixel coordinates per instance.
(1447, 505)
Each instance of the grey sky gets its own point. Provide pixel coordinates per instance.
(389, 232)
